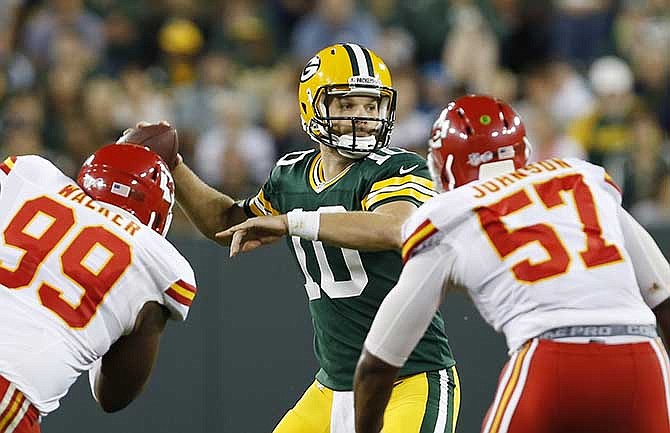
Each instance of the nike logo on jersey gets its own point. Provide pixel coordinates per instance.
(404, 170)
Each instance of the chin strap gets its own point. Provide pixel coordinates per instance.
(352, 155)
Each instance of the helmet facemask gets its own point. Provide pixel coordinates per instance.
(352, 144)
(440, 172)
(166, 184)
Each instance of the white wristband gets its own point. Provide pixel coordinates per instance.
(303, 224)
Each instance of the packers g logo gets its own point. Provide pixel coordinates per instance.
(310, 69)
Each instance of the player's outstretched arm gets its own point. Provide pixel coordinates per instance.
(378, 230)
(209, 210)
(126, 367)
(363, 231)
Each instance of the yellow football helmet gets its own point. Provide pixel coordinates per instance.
(346, 70)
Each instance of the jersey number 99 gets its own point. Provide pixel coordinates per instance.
(94, 283)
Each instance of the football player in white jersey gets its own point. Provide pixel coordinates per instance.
(87, 279)
(552, 260)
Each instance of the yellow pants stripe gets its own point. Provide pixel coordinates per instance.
(509, 388)
(456, 402)
(16, 402)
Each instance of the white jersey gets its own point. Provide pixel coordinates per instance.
(537, 249)
(74, 274)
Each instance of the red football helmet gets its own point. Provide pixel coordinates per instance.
(133, 178)
(476, 137)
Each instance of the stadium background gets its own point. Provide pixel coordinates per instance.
(590, 77)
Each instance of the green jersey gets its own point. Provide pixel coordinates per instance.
(346, 287)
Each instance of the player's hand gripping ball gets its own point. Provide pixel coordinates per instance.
(159, 137)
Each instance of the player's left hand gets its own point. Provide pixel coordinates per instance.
(254, 233)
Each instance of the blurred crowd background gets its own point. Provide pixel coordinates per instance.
(591, 78)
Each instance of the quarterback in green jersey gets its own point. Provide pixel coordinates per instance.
(341, 207)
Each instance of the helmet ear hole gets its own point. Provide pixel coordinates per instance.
(304, 107)
(502, 116)
(468, 128)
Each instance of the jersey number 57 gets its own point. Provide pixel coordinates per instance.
(596, 250)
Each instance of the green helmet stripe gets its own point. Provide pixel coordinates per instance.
(368, 60)
(355, 70)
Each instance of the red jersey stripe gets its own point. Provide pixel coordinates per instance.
(178, 297)
(7, 165)
(186, 286)
(423, 232)
(609, 180)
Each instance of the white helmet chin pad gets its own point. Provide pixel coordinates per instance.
(360, 144)
(362, 148)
